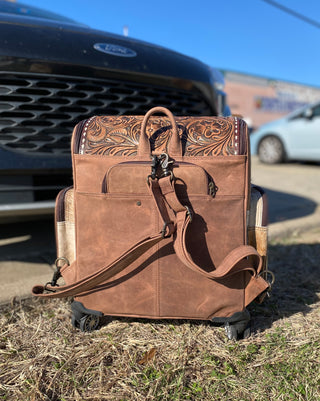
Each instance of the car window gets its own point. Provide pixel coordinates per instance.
(316, 111)
(297, 116)
(7, 7)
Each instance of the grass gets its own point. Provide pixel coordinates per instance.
(43, 358)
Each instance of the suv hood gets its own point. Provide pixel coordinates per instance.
(37, 39)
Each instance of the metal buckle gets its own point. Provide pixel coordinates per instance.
(164, 229)
(65, 260)
(165, 162)
(189, 213)
(154, 166)
(264, 274)
(56, 274)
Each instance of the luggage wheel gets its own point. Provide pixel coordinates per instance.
(237, 326)
(238, 331)
(84, 319)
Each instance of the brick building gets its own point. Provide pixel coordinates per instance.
(260, 100)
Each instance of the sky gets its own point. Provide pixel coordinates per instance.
(248, 36)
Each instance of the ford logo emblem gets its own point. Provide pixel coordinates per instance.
(114, 50)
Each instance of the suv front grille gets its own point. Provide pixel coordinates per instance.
(38, 112)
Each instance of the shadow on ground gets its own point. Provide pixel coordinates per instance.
(24, 241)
(284, 206)
(297, 286)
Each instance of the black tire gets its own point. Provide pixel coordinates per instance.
(271, 150)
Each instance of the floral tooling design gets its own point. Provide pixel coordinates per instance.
(201, 136)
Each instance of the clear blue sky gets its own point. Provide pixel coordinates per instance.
(247, 36)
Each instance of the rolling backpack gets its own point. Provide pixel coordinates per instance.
(162, 222)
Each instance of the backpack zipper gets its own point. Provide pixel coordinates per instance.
(60, 212)
(60, 209)
(240, 139)
(212, 187)
(80, 134)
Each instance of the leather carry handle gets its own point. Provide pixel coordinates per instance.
(174, 146)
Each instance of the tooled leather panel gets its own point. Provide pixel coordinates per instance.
(201, 136)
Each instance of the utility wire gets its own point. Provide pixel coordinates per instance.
(294, 13)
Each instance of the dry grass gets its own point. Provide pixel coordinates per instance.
(43, 358)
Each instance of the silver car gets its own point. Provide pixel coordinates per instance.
(293, 137)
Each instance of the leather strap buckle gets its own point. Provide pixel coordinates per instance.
(189, 213)
(164, 230)
(56, 274)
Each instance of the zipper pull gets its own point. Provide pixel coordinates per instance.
(212, 188)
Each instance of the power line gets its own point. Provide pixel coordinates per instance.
(294, 13)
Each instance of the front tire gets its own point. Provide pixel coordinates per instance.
(271, 150)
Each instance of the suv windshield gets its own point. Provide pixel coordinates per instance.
(7, 7)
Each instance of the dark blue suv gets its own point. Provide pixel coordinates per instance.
(55, 73)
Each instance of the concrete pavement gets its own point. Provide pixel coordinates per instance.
(293, 191)
(27, 250)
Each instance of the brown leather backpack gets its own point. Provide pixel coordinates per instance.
(158, 220)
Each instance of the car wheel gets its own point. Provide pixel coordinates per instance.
(271, 150)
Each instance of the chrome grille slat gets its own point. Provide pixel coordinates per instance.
(39, 111)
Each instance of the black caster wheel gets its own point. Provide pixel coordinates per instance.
(89, 323)
(237, 331)
(83, 318)
(74, 322)
(237, 326)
